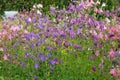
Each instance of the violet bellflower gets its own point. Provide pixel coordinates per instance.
(32, 45)
(48, 55)
(28, 20)
(76, 46)
(36, 65)
(37, 36)
(52, 62)
(26, 54)
(40, 26)
(23, 64)
(80, 7)
(71, 8)
(52, 9)
(94, 68)
(42, 57)
(67, 44)
(73, 21)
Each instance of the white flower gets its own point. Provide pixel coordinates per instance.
(1, 49)
(34, 6)
(105, 28)
(39, 6)
(108, 20)
(29, 19)
(104, 4)
(98, 2)
(38, 12)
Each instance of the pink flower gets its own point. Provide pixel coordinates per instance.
(17, 28)
(10, 36)
(100, 35)
(111, 53)
(13, 28)
(115, 30)
(90, 3)
(4, 32)
(100, 11)
(26, 32)
(115, 72)
(97, 53)
(95, 10)
(5, 57)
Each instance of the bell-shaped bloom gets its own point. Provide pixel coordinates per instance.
(115, 72)
(111, 54)
(5, 57)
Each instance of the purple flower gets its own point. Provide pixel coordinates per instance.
(101, 66)
(118, 10)
(34, 20)
(37, 36)
(40, 26)
(76, 46)
(107, 13)
(39, 42)
(96, 43)
(5, 49)
(55, 59)
(52, 62)
(26, 54)
(58, 42)
(118, 63)
(102, 26)
(52, 9)
(32, 45)
(118, 19)
(27, 37)
(31, 34)
(28, 20)
(72, 35)
(90, 22)
(73, 21)
(23, 64)
(35, 77)
(51, 70)
(80, 7)
(78, 32)
(92, 58)
(48, 55)
(115, 63)
(71, 7)
(94, 68)
(96, 23)
(117, 54)
(66, 44)
(36, 65)
(95, 37)
(42, 57)
(110, 35)
(45, 19)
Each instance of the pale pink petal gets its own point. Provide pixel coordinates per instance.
(97, 53)
(111, 53)
(5, 57)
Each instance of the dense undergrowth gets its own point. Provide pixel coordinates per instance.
(81, 43)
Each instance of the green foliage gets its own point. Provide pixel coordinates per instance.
(28, 4)
(111, 4)
(2, 6)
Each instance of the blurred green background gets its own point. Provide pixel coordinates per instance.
(7, 5)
